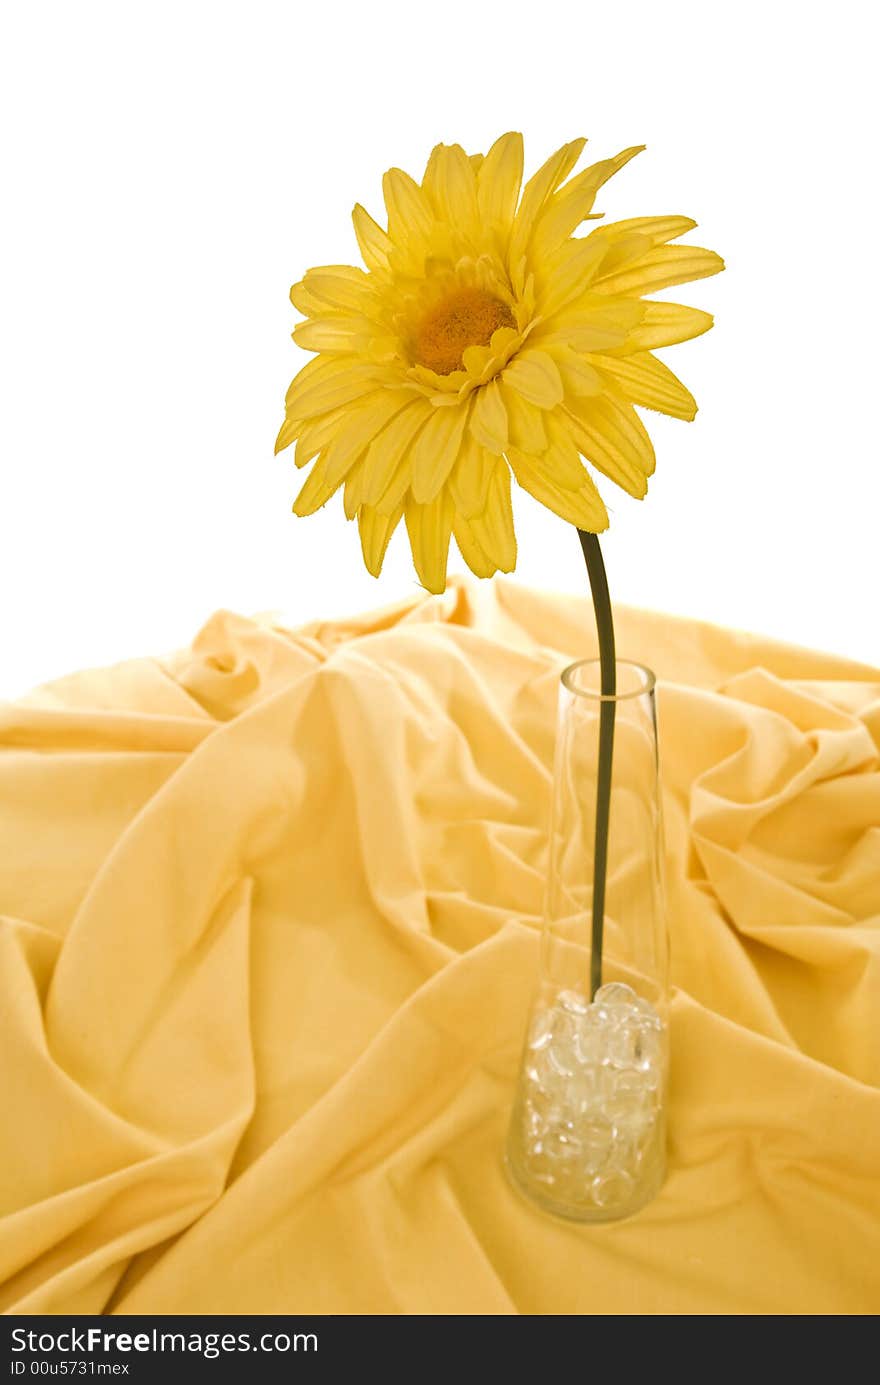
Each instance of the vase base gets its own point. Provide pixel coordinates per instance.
(587, 1135)
(579, 1212)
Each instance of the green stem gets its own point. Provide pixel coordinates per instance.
(608, 687)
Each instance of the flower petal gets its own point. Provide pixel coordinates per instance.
(611, 435)
(408, 211)
(596, 336)
(286, 434)
(536, 376)
(374, 245)
(579, 377)
(583, 507)
(470, 477)
(334, 333)
(560, 459)
(572, 204)
(493, 528)
(396, 491)
(656, 229)
(648, 382)
(358, 429)
(525, 421)
(449, 182)
(572, 271)
(474, 555)
(665, 324)
(475, 359)
(430, 529)
(353, 495)
(499, 179)
(388, 448)
(340, 287)
(594, 324)
(317, 434)
(661, 267)
(316, 371)
(536, 192)
(489, 418)
(348, 382)
(316, 490)
(375, 531)
(305, 301)
(435, 451)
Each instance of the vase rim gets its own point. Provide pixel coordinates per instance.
(648, 680)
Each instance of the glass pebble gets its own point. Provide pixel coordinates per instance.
(590, 1121)
(612, 1189)
(648, 1050)
(573, 1002)
(646, 1014)
(615, 993)
(541, 1033)
(622, 1046)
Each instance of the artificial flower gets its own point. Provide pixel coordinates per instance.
(485, 340)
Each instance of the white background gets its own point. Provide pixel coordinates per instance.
(171, 168)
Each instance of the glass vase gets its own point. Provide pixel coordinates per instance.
(587, 1137)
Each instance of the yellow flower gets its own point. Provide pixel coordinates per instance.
(485, 338)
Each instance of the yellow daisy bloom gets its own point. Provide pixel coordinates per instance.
(485, 338)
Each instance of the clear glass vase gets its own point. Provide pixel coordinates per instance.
(587, 1137)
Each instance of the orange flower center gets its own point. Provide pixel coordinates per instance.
(466, 317)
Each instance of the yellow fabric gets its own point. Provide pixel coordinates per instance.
(270, 930)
